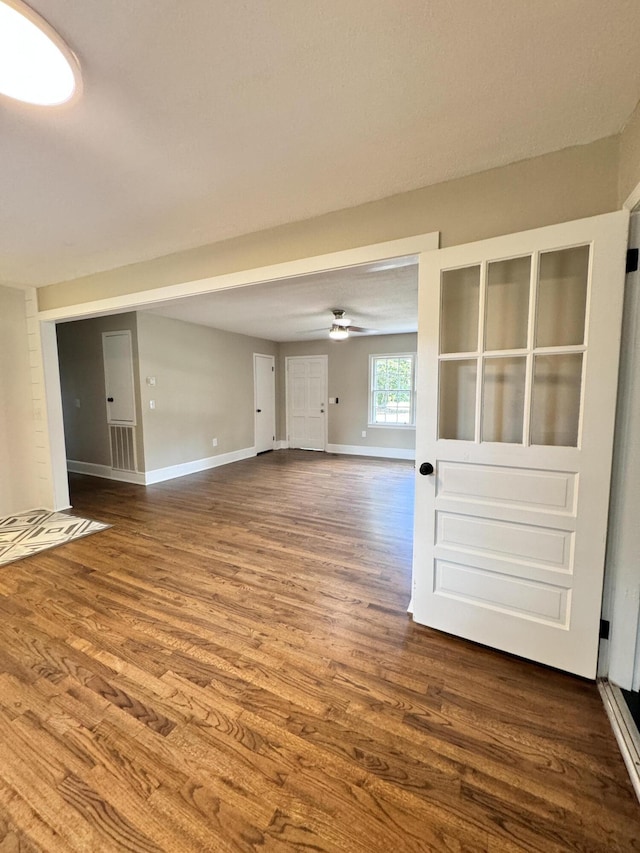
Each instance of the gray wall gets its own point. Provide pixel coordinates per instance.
(82, 378)
(18, 484)
(348, 365)
(204, 389)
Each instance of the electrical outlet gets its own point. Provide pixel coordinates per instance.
(152, 404)
(364, 433)
(214, 442)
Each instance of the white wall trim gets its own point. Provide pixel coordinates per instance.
(624, 729)
(159, 475)
(403, 247)
(363, 450)
(281, 445)
(105, 471)
(621, 601)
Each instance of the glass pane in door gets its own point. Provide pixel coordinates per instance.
(507, 313)
(562, 297)
(555, 411)
(503, 399)
(457, 392)
(460, 310)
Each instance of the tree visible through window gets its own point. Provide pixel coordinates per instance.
(392, 390)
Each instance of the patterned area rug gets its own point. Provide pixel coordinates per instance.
(27, 533)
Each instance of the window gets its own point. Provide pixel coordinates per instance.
(392, 390)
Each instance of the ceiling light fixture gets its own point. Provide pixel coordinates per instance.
(36, 66)
(338, 333)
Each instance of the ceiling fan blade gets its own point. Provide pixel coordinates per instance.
(359, 329)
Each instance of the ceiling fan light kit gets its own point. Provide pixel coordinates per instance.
(341, 326)
(338, 333)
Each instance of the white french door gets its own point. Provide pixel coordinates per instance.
(306, 401)
(518, 348)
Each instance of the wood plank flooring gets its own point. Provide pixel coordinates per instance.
(231, 667)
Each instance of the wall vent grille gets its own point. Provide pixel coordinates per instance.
(123, 448)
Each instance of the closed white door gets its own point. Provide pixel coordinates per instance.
(264, 383)
(118, 377)
(518, 356)
(306, 401)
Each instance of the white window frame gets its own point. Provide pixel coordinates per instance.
(412, 390)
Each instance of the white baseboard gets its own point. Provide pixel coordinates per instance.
(105, 471)
(624, 729)
(159, 475)
(364, 450)
(281, 445)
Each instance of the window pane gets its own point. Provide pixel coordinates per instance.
(392, 381)
(562, 297)
(503, 401)
(380, 373)
(400, 406)
(557, 383)
(508, 285)
(392, 390)
(459, 311)
(458, 399)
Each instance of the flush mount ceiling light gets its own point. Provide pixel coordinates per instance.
(36, 66)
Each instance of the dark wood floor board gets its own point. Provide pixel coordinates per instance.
(22, 830)
(204, 821)
(231, 667)
(432, 779)
(22, 774)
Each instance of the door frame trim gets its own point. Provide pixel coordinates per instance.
(55, 461)
(272, 358)
(325, 430)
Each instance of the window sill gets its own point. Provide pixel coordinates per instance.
(391, 426)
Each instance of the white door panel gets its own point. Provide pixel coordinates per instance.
(306, 401)
(265, 401)
(518, 352)
(118, 374)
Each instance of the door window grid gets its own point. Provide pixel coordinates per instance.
(568, 434)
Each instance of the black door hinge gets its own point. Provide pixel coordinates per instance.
(632, 260)
(604, 629)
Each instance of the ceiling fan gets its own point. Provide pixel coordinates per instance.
(341, 326)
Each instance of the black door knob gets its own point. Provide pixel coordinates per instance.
(426, 468)
(258, 410)
(109, 399)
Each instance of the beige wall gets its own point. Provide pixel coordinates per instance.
(348, 366)
(629, 169)
(570, 184)
(82, 378)
(18, 484)
(204, 390)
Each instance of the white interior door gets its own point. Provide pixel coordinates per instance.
(118, 377)
(518, 349)
(264, 383)
(306, 401)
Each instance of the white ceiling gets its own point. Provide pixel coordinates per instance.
(204, 119)
(383, 298)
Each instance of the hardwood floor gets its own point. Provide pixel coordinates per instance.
(230, 667)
